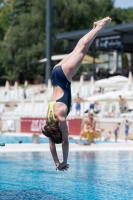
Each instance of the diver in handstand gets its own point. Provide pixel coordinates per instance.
(59, 106)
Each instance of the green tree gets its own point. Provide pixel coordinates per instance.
(121, 16)
(22, 30)
(6, 7)
(25, 38)
(104, 8)
(77, 15)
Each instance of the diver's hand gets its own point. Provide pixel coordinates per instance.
(57, 164)
(62, 167)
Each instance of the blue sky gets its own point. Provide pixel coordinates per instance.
(123, 3)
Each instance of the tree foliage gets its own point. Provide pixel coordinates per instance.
(23, 30)
(25, 39)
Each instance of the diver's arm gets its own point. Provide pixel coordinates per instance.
(54, 152)
(65, 145)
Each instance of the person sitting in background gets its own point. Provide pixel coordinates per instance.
(90, 128)
(99, 131)
(108, 136)
(122, 104)
(90, 132)
(94, 107)
(101, 90)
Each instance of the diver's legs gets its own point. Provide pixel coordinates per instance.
(71, 63)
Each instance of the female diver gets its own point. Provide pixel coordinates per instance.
(59, 106)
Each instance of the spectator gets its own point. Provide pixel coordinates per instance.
(122, 104)
(99, 131)
(127, 124)
(90, 128)
(78, 100)
(116, 131)
(94, 107)
(108, 136)
(101, 90)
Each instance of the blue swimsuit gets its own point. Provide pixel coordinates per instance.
(59, 79)
(126, 129)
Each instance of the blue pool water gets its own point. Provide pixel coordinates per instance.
(15, 139)
(25, 139)
(10, 139)
(92, 176)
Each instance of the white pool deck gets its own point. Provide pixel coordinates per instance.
(119, 146)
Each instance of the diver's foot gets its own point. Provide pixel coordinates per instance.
(102, 23)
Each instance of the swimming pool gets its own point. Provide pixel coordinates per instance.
(92, 176)
(14, 139)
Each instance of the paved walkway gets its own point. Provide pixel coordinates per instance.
(120, 146)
